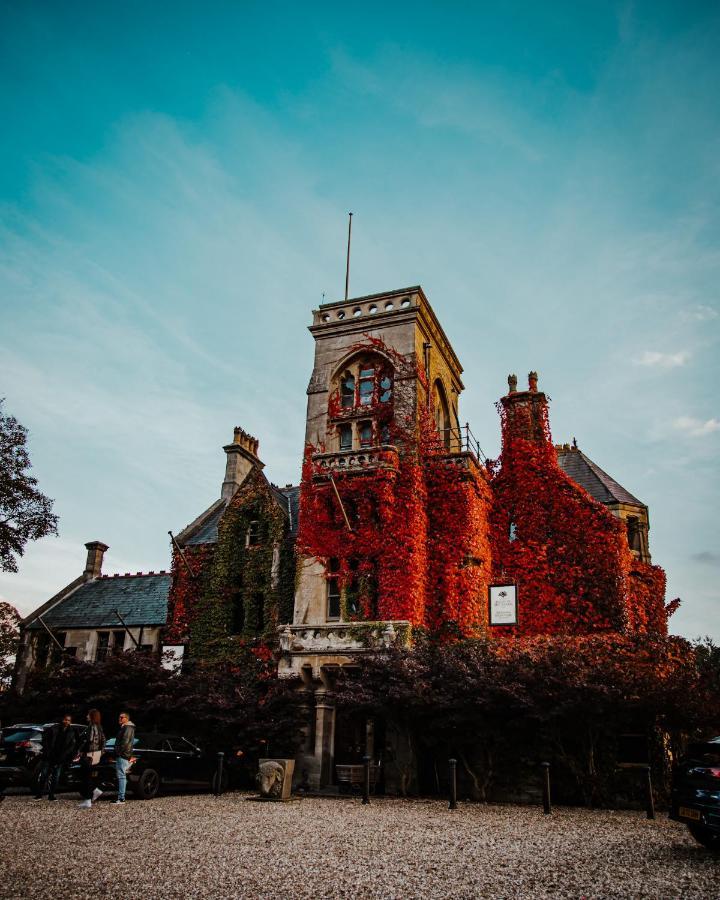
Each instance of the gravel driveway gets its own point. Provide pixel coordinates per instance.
(200, 846)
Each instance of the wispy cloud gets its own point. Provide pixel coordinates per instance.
(653, 359)
(700, 313)
(707, 557)
(696, 427)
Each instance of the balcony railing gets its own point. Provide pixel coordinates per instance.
(459, 440)
(365, 459)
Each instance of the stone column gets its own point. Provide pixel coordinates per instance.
(324, 736)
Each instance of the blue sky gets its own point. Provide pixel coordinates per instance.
(174, 184)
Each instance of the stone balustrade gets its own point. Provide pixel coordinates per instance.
(370, 458)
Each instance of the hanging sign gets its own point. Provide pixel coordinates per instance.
(502, 603)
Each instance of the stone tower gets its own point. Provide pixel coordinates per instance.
(387, 467)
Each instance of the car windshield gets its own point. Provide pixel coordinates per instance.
(16, 736)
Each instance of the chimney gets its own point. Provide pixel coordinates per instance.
(526, 412)
(241, 459)
(93, 566)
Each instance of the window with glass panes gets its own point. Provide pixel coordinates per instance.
(333, 590)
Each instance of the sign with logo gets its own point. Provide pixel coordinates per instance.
(502, 601)
(172, 656)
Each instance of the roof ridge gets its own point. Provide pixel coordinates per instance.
(136, 574)
(608, 482)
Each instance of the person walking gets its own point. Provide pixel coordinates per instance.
(59, 748)
(92, 745)
(123, 753)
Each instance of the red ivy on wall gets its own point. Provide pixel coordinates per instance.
(419, 528)
(185, 590)
(567, 552)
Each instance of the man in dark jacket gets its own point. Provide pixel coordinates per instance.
(123, 752)
(59, 748)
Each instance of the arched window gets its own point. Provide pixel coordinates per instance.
(364, 388)
(366, 382)
(441, 412)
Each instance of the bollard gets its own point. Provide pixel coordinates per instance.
(453, 784)
(547, 807)
(366, 779)
(650, 807)
(219, 773)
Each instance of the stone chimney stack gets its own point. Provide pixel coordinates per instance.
(526, 412)
(241, 458)
(93, 566)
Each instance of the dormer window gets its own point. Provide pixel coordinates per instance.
(253, 534)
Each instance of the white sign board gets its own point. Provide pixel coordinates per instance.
(503, 604)
(172, 656)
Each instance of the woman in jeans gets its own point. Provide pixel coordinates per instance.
(91, 747)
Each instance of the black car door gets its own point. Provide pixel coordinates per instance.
(189, 763)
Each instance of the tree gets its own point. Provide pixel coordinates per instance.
(9, 639)
(25, 513)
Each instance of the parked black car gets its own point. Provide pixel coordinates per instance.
(20, 755)
(160, 762)
(695, 798)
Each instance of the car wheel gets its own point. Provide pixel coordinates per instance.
(148, 785)
(706, 837)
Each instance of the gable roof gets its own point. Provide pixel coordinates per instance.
(140, 599)
(204, 530)
(592, 478)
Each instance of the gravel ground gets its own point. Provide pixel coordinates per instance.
(200, 846)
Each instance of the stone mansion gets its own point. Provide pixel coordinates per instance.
(399, 523)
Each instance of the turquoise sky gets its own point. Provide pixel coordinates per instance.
(174, 184)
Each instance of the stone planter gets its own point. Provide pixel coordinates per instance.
(275, 778)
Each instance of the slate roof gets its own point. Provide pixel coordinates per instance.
(141, 600)
(207, 531)
(291, 493)
(204, 530)
(592, 478)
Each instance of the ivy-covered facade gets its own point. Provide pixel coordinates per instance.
(234, 567)
(400, 524)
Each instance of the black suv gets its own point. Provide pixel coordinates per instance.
(695, 798)
(20, 754)
(160, 762)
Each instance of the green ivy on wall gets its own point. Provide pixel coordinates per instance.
(248, 588)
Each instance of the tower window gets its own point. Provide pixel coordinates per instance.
(345, 437)
(347, 391)
(367, 386)
(333, 590)
(365, 433)
(633, 533)
(385, 388)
